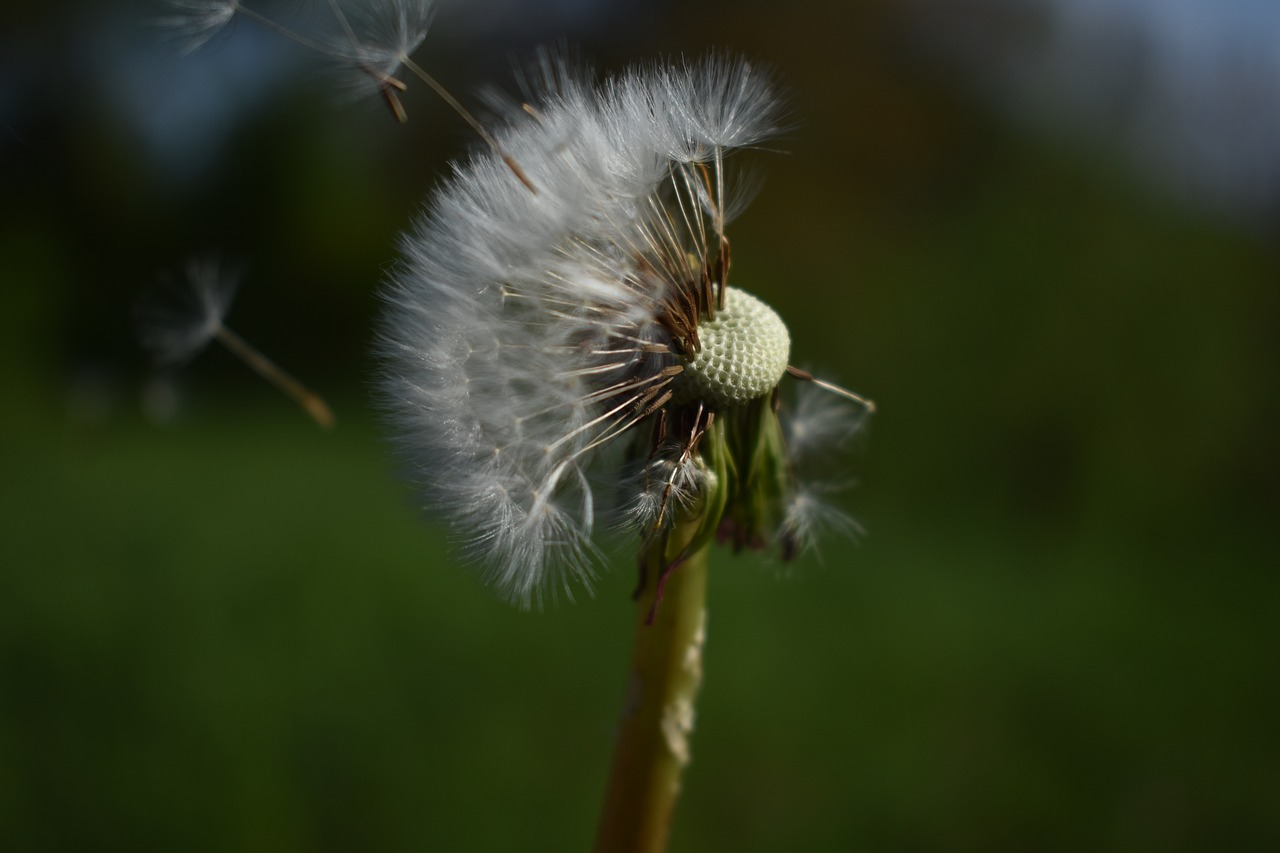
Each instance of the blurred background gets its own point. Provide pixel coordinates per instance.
(1041, 234)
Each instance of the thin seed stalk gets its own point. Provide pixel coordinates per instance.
(312, 402)
(657, 723)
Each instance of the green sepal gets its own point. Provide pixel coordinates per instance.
(749, 440)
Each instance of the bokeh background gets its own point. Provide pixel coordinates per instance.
(1042, 234)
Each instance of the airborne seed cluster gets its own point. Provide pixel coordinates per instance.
(744, 354)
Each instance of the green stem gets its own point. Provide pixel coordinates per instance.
(657, 723)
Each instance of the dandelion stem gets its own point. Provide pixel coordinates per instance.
(312, 402)
(666, 672)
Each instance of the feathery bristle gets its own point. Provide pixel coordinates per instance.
(195, 22)
(179, 317)
(376, 39)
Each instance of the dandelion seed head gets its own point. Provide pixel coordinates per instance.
(544, 348)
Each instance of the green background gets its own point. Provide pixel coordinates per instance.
(233, 631)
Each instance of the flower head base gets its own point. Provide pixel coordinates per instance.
(545, 349)
(742, 356)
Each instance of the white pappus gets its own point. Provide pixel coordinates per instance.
(561, 339)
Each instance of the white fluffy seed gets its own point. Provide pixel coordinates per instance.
(744, 354)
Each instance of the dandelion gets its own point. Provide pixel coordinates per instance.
(179, 318)
(563, 353)
(560, 362)
(540, 349)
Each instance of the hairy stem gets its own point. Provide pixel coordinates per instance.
(657, 722)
